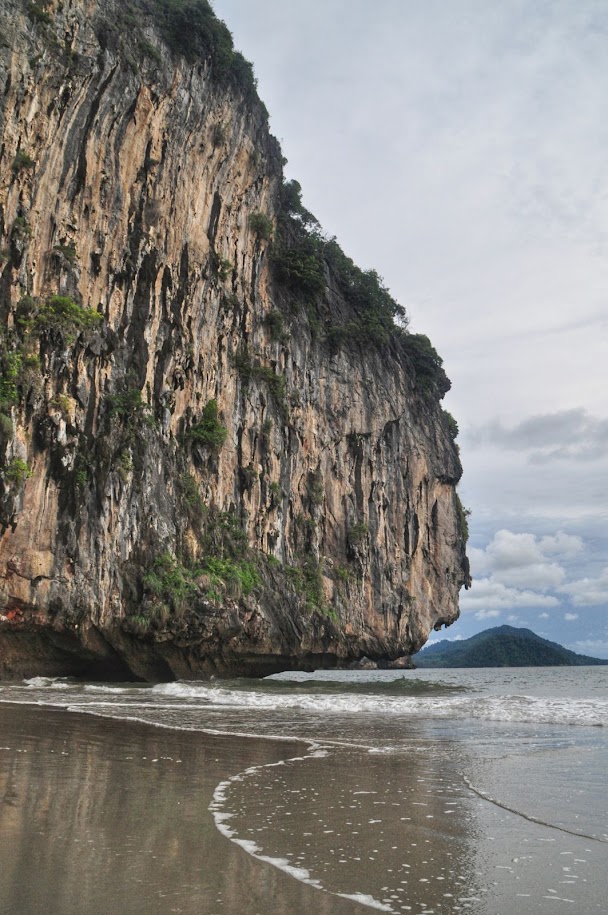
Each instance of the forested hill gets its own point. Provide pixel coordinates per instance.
(503, 646)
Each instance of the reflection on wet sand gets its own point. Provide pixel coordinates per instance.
(102, 816)
(394, 830)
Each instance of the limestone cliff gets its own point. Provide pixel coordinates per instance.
(219, 453)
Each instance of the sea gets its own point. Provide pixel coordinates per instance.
(425, 791)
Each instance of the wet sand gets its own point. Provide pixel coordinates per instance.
(99, 816)
(108, 816)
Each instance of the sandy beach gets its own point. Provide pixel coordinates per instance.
(102, 816)
(437, 802)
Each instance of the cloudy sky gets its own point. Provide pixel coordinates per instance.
(460, 149)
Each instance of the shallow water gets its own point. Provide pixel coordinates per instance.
(425, 791)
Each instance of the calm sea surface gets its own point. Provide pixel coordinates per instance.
(413, 791)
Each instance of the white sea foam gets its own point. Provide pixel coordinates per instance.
(250, 847)
(299, 873)
(198, 703)
(46, 682)
(520, 709)
(366, 900)
(96, 711)
(112, 690)
(221, 816)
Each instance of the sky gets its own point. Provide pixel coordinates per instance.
(460, 149)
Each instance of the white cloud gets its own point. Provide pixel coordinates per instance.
(592, 647)
(588, 592)
(518, 571)
(508, 550)
(487, 614)
(488, 595)
(442, 637)
(539, 576)
(522, 560)
(480, 563)
(562, 545)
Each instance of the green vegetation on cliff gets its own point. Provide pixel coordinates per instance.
(22, 162)
(177, 584)
(57, 314)
(180, 424)
(462, 516)
(306, 263)
(208, 430)
(191, 28)
(502, 646)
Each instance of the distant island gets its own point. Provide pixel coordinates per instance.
(502, 646)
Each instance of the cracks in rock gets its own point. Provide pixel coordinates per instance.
(12, 569)
(214, 219)
(384, 462)
(81, 168)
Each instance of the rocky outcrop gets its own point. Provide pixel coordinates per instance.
(219, 455)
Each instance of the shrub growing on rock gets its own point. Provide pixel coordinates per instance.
(208, 430)
(261, 225)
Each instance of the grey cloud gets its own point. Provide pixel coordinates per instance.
(563, 435)
(503, 484)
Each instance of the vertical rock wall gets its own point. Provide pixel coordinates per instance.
(127, 188)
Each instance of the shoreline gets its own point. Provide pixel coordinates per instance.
(102, 815)
(122, 814)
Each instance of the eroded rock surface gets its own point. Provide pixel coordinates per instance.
(216, 475)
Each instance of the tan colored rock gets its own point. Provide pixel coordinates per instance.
(138, 203)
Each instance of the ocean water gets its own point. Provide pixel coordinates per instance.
(431, 791)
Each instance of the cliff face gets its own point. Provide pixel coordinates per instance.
(205, 468)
